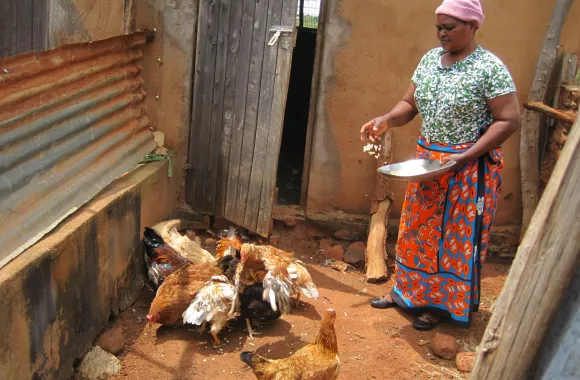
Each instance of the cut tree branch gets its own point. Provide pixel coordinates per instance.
(529, 139)
(549, 111)
(376, 252)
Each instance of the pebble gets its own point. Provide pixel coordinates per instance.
(444, 346)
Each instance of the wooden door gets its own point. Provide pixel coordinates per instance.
(239, 96)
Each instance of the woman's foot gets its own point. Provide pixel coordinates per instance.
(384, 302)
(426, 321)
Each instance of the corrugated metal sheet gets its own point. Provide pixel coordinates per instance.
(71, 121)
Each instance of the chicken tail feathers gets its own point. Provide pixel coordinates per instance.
(277, 291)
(194, 315)
(152, 240)
(309, 291)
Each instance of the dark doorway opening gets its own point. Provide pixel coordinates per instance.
(293, 145)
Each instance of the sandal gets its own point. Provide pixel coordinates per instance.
(382, 303)
(424, 323)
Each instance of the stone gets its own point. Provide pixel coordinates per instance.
(444, 346)
(335, 252)
(355, 253)
(274, 240)
(348, 235)
(112, 340)
(465, 361)
(325, 243)
(315, 231)
(210, 242)
(290, 222)
(199, 225)
(99, 364)
(338, 265)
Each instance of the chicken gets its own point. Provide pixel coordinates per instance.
(316, 361)
(161, 258)
(254, 309)
(282, 275)
(179, 289)
(211, 305)
(182, 244)
(229, 244)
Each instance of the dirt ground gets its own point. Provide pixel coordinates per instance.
(373, 344)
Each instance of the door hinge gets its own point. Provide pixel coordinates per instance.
(278, 30)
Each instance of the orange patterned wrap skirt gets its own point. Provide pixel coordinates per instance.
(444, 233)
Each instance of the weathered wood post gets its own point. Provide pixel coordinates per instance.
(530, 131)
(539, 276)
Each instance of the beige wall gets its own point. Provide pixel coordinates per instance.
(370, 53)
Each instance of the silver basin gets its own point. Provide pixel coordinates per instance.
(412, 170)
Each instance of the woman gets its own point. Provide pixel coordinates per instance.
(468, 105)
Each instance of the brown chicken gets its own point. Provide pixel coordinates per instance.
(316, 361)
(211, 305)
(178, 290)
(280, 272)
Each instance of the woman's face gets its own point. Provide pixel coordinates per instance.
(454, 35)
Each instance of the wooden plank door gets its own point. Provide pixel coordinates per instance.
(239, 96)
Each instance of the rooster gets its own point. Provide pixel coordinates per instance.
(282, 275)
(161, 258)
(316, 361)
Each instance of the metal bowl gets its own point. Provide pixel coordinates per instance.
(413, 170)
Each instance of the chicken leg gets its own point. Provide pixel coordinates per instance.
(216, 340)
(251, 332)
(297, 300)
(202, 328)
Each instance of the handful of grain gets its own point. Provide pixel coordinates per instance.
(373, 149)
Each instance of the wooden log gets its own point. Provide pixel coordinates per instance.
(530, 135)
(541, 273)
(376, 253)
(549, 111)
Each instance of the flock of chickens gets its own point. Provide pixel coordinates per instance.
(253, 282)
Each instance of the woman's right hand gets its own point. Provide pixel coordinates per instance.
(373, 130)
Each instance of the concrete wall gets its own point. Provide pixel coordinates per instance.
(170, 79)
(175, 22)
(370, 53)
(58, 295)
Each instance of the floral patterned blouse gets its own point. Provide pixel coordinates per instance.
(452, 100)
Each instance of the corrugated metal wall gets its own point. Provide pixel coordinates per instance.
(71, 122)
(23, 25)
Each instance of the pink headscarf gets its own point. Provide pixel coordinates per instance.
(465, 10)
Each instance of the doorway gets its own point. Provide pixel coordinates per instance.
(294, 134)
